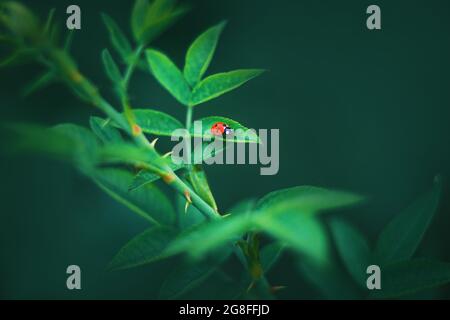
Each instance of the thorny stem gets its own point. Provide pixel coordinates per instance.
(63, 62)
(132, 65)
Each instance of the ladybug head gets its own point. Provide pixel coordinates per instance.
(228, 130)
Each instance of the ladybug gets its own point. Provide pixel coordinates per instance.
(220, 128)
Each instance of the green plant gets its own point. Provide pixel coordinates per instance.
(117, 155)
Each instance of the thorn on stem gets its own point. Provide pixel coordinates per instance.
(250, 287)
(187, 195)
(186, 206)
(168, 154)
(275, 289)
(153, 143)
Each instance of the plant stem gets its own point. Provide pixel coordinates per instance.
(199, 203)
(189, 113)
(131, 66)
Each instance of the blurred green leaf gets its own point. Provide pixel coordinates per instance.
(353, 249)
(241, 133)
(187, 276)
(27, 137)
(200, 54)
(330, 280)
(40, 82)
(20, 21)
(49, 22)
(150, 19)
(218, 84)
(68, 142)
(270, 254)
(243, 207)
(68, 41)
(301, 232)
(148, 202)
(199, 182)
(208, 236)
(17, 57)
(156, 122)
(408, 277)
(143, 249)
(111, 68)
(85, 145)
(307, 199)
(118, 38)
(104, 130)
(168, 75)
(127, 153)
(400, 238)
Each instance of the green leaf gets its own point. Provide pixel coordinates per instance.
(243, 207)
(85, 152)
(148, 202)
(168, 75)
(303, 233)
(199, 182)
(104, 130)
(330, 280)
(65, 141)
(17, 57)
(156, 122)
(145, 177)
(218, 84)
(26, 137)
(149, 20)
(307, 199)
(111, 68)
(270, 254)
(200, 54)
(400, 238)
(117, 37)
(353, 249)
(127, 153)
(143, 249)
(68, 41)
(241, 133)
(408, 277)
(39, 83)
(138, 15)
(209, 236)
(185, 277)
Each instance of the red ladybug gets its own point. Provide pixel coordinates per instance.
(220, 128)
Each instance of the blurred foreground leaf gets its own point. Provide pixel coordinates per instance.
(400, 238)
(143, 249)
(118, 38)
(353, 249)
(187, 276)
(408, 277)
(307, 199)
(148, 202)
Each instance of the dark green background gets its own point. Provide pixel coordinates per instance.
(361, 110)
